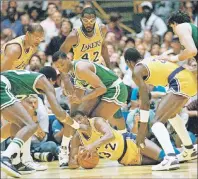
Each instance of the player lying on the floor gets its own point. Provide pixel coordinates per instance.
(110, 144)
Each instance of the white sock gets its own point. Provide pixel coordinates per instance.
(14, 147)
(180, 128)
(25, 150)
(163, 137)
(65, 141)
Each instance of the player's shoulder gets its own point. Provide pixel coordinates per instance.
(103, 28)
(183, 26)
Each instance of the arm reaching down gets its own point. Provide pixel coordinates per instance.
(138, 75)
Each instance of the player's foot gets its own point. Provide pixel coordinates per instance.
(24, 169)
(8, 168)
(187, 154)
(63, 157)
(169, 163)
(36, 166)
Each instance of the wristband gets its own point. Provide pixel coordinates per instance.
(75, 125)
(144, 116)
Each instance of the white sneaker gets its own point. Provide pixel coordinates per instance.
(169, 163)
(36, 166)
(187, 154)
(63, 157)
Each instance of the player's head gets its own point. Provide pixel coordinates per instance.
(80, 117)
(35, 34)
(88, 19)
(50, 74)
(178, 17)
(61, 62)
(132, 56)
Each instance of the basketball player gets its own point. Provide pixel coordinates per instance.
(87, 43)
(22, 82)
(182, 85)
(188, 36)
(100, 80)
(16, 54)
(88, 40)
(110, 144)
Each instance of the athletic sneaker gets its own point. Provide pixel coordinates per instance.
(24, 169)
(187, 154)
(169, 163)
(8, 168)
(63, 157)
(36, 166)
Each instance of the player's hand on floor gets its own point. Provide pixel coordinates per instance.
(73, 162)
(141, 135)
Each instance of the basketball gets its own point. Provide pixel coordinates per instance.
(88, 163)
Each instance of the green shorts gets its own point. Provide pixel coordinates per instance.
(117, 94)
(7, 98)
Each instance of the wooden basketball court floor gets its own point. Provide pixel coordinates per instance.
(108, 169)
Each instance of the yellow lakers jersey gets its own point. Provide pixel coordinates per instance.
(111, 150)
(89, 48)
(25, 56)
(158, 71)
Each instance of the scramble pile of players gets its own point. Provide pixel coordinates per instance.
(95, 95)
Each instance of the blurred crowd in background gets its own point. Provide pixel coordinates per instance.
(153, 37)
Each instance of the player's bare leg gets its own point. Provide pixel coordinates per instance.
(168, 108)
(16, 114)
(106, 110)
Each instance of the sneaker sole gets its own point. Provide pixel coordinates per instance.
(9, 171)
(174, 167)
(27, 172)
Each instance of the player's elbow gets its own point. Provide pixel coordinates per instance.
(103, 90)
(193, 52)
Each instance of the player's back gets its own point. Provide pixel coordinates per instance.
(111, 150)
(89, 48)
(24, 57)
(159, 71)
(21, 82)
(107, 76)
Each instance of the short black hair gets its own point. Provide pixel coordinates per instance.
(179, 17)
(51, 3)
(88, 10)
(57, 55)
(130, 39)
(132, 55)
(49, 72)
(75, 113)
(35, 28)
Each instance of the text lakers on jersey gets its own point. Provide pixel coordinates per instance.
(89, 48)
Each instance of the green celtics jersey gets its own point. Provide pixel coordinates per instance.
(21, 82)
(107, 76)
(195, 34)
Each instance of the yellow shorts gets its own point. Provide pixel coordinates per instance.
(132, 154)
(183, 82)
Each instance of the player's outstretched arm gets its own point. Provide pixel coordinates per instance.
(11, 53)
(185, 37)
(103, 127)
(49, 91)
(85, 73)
(73, 154)
(138, 75)
(69, 42)
(104, 51)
